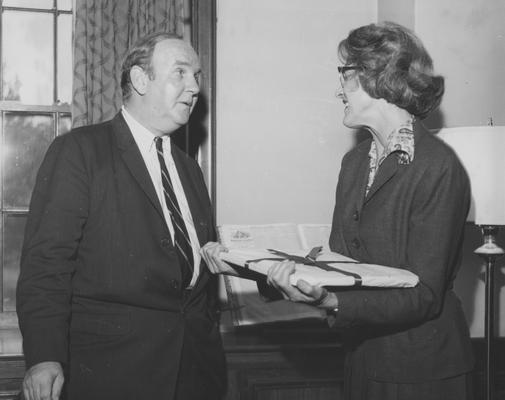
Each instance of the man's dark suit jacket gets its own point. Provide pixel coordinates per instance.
(100, 283)
(413, 217)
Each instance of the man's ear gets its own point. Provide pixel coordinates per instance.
(138, 78)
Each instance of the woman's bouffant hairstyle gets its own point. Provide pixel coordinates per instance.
(141, 54)
(394, 65)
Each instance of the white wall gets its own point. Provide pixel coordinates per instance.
(280, 139)
(466, 39)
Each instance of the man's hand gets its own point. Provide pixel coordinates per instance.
(210, 253)
(43, 381)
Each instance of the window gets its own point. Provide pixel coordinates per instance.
(35, 97)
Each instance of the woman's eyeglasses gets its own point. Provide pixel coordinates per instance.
(347, 73)
(345, 68)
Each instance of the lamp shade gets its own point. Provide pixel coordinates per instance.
(481, 149)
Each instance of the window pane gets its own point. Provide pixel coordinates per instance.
(65, 58)
(14, 226)
(45, 4)
(26, 139)
(65, 5)
(65, 124)
(28, 57)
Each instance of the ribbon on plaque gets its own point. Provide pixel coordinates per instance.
(310, 259)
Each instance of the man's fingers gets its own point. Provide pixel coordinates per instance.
(210, 253)
(57, 386)
(27, 392)
(28, 389)
(41, 379)
(43, 389)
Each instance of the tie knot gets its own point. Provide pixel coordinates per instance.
(158, 140)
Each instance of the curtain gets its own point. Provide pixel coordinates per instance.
(104, 30)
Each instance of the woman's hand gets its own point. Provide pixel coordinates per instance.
(210, 253)
(278, 277)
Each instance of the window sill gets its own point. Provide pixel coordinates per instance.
(11, 342)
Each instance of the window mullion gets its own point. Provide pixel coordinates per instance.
(55, 54)
(2, 212)
(1, 55)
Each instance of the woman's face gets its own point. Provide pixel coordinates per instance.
(359, 106)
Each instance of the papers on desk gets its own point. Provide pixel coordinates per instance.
(338, 269)
(283, 236)
(242, 302)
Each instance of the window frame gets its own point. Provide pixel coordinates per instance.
(8, 319)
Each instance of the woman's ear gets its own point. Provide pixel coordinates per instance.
(139, 78)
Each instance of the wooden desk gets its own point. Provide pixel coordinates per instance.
(284, 362)
(274, 363)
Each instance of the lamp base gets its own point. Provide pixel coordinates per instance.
(489, 251)
(489, 247)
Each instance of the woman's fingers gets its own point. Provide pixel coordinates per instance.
(278, 274)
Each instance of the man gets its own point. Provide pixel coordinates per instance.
(112, 299)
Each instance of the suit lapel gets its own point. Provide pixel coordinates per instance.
(134, 161)
(363, 168)
(386, 171)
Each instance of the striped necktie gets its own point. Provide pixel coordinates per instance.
(181, 239)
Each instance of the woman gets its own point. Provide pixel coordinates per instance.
(402, 199)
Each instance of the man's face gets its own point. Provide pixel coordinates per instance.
(173, 89)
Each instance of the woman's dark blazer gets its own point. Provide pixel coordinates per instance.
(413, 217)
(100, 284)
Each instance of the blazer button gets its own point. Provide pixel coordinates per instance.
(355, 216)
(164, 242)
(355, 243)
(175, 284)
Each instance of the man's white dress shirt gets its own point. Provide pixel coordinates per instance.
(145, 142)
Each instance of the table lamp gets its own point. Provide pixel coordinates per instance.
(481, 149)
